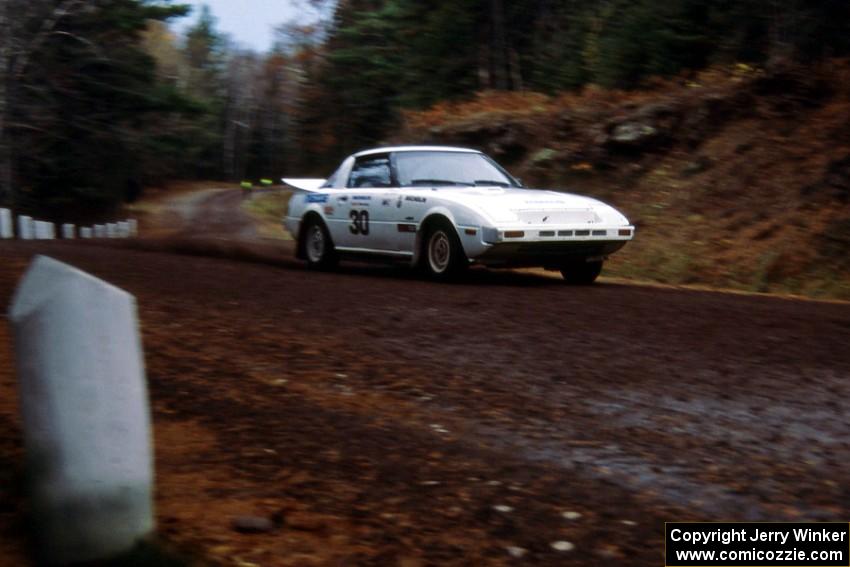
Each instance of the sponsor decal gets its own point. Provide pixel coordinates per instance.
(407, 227)
(415, 199)
(343, 198)
(398, 205)
(329, 210)
(317, 198)
(385, 202)
(361, 198)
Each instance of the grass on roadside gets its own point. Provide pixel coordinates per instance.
(268, 209)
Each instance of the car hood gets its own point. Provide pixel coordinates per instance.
(523, 205)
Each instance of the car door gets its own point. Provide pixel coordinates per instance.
(366, 205)
(409, 208)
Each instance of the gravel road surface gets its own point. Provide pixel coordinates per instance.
(377, 419)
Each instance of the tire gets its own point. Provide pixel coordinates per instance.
(317, 246)
(442, 254)
(581, 273)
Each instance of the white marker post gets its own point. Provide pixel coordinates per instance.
(6, 224)
(69, 231)
(99, 231)
(86, 422)
(25, 227)
(86, 232)
(134, 227)
(41, 230)
(111, 230)
(123, 229)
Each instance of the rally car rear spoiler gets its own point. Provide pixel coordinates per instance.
(303, 184)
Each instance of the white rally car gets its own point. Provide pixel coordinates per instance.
(443, 208)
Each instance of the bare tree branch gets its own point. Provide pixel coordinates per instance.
(84, 41)
(47, 28)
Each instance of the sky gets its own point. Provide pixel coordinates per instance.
(250, 23)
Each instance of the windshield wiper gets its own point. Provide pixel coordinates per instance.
(491, 182)
(439, 182)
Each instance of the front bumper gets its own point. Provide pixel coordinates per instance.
(550, 247)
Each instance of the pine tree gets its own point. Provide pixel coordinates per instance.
(86, 90)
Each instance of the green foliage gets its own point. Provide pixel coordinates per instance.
(267, 209)
(561, 42)
(86, 101)
(363, 73)
(385, 55)
(206, 53)
(437, 59)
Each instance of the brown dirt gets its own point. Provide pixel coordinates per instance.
(380, 419)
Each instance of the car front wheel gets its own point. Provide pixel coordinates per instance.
(318, 247)
(581, 273)
(443, 255)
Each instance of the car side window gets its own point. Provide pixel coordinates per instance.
(371, 171)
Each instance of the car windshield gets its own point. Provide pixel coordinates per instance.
(435, 168)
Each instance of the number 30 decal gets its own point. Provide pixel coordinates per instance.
(359, 222)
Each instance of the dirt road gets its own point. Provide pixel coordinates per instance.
(211, 213)
(382, 420)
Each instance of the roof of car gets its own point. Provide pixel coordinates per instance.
(389, 149)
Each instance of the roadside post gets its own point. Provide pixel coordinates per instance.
(68, 231)
(25, 227)
(86, 232)
(42, 230)
(84, 407)
(6, 228)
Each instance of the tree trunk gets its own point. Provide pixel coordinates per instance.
(484, 78)
(515, 71)
(499, 46)
(6, 190)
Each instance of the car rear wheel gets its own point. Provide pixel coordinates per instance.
(581, 273)
(443, 256)
(318, 247)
